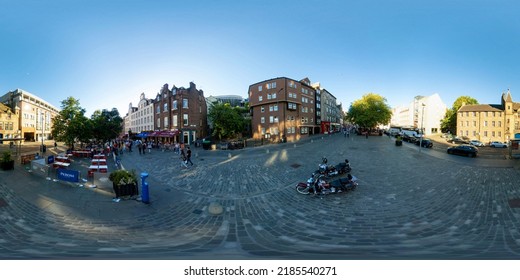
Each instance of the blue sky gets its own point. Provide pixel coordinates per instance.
(105, 53)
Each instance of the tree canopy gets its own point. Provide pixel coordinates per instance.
(369, 111)
(106, 125)
(227, 121)
(71, 125)
(449, 123)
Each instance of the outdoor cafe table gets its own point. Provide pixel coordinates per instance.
(99, 161)
(96, 167)
(100, 156)
(62, 159)
(81, 153)
(60, 164)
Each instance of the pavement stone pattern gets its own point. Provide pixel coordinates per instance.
(242, 204)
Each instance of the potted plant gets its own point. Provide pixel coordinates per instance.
(124, 183)
(7, 161)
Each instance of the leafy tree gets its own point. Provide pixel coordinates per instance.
(106, 125)
(449, 123)
(71, 125)
(227, 121)
(369, 111)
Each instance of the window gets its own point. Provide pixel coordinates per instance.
(500, 123)
(485, 134)
(157, 109)
(271, 119)
(184, 103)
(263, 130)
(493, 122)
(262, 109)
(166, 122)
(492, 134)
(165, 107)
(175, 121)
(259, 88)
(262, 120)
(174, 105)
(292, 106)
(274, 95)
(292, 84)
(259, 98)
(270, 108)
(185, 119)
(275, 108)
(271, 85)
(159, 122)
(268, 96)
(485, 123)
(474, 123)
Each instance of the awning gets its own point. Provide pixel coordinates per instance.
(164, 133)
(142, 135)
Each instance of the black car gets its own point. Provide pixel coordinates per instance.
(426, 143)
(463, 150)
(409, 138)
(456, 140)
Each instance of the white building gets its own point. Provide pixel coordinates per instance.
(140, 119)
(424, 112)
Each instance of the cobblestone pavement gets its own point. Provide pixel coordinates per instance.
(242, 204)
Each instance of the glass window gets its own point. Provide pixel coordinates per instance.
(262, 109)
(259, 88)
(165, 107)
(184, 103)
(166, 122)
(262, 120)
(174, 105)
(175, 121)
(185, 119)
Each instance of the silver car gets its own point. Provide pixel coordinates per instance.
(497, 144)
(476, 143)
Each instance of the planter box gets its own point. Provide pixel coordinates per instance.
(7, 165)
(125, 190)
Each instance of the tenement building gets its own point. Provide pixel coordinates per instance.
(283, 109)
(8, 122)
(180, 114)
(490, 122)
(140, 119)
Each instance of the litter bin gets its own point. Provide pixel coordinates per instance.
(43, 148)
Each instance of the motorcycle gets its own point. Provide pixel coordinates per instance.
(331, 171)
(317, 184)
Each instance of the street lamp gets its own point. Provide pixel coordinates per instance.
(422, 127)
(43, 131)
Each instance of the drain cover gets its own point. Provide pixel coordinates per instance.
(197, 211)
(2, 203)
(295, 165)
(514, 203)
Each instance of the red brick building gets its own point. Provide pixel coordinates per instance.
(180, 114)
(283, 109)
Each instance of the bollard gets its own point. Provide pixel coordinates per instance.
(145, 198)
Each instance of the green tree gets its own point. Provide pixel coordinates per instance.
(369, 111)
(71, 125)
(227, 121)
(106, 125)
(449, 123)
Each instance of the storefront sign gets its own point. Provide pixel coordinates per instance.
(50, 159)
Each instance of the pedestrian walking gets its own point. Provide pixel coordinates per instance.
(150, 147)
(184, 161)
(188, 156)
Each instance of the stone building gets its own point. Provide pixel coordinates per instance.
(490, 122)
(8, 122)
(283, 109)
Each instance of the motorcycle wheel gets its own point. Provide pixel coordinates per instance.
(302, 189)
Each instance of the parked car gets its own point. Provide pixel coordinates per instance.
(456, 140)
(476, 143)
(409, 138)
(497, 144)
(426, 143)
(463, 150)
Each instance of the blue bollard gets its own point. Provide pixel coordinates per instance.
(145, 198)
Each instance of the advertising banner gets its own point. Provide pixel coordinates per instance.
(68, 175)
(50, 159)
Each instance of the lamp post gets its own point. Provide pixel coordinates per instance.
(422, 127)
(43, 131)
